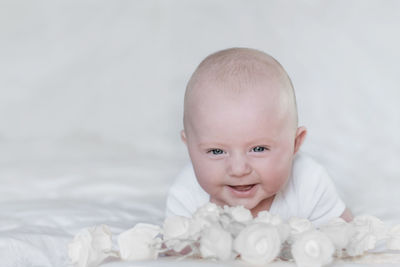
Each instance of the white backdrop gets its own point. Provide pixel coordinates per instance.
(103, 81)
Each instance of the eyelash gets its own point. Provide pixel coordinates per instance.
(215, 149)
(220, 150)
(263, 148)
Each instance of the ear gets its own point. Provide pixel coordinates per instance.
(299, 139)
(183, 137)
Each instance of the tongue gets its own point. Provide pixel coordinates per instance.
(242, 187)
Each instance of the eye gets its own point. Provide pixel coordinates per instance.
(259, 149)
(216, 151)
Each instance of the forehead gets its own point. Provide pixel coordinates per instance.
(248, 115)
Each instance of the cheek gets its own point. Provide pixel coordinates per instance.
(275, 173)
(208, 175)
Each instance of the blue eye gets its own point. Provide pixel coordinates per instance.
(259, 149)
(216, 151)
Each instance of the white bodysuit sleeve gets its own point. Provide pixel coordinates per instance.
(185, 195)
(320, 200)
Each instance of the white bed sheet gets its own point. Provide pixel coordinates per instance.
(43, 204)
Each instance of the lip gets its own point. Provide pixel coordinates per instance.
(242, 194)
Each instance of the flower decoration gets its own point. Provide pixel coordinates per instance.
(368, 230)
(258, 243)
(175, 227)
(209, 212)
(312, 249)
(339, 232)
(91, 246)
(393, 241)
(216, 243)
(140, 242)
(232, 232)
(266, 217)
(297, 227)
(239, 213)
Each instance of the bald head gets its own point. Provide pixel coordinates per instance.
(238, 71)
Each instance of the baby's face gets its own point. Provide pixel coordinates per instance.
(241, 147)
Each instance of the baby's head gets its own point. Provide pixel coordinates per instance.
(241, 128)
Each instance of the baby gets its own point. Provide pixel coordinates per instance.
(241, 131)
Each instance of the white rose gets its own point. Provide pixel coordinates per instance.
(266, 217)
(230, 225)
(140, 242)
(284, 231)
(339, 232)
(361, 242)
(91, 246)
(209, 212)
(239, 213)
(368, 230)
(394, 238)
(258, 243)
(176, 227)
(312, 249)
(216, 243)
(297, 227)
(300, 225)
(370, 224)
(275, 220)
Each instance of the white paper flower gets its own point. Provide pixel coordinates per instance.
(339, 232)
(312, 249)
(209, 212)
(274, 220)
(175, 227)
(258, 243)
(368, 231)
(372, 225)
(216, 243)
(284, 231)
(394, 238)
(91, 246)
(361, 242)
(140, 242)
(297, 227)
(239, 213)
(266, 217)
(231, 225)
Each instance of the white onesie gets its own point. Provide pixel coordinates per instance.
(309, 193)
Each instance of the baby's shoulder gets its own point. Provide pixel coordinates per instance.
(307, 172)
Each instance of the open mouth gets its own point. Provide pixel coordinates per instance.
(243, 191)
(242, 188)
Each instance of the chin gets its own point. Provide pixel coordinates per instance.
(247, 203)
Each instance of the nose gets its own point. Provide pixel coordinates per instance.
(238, 166)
